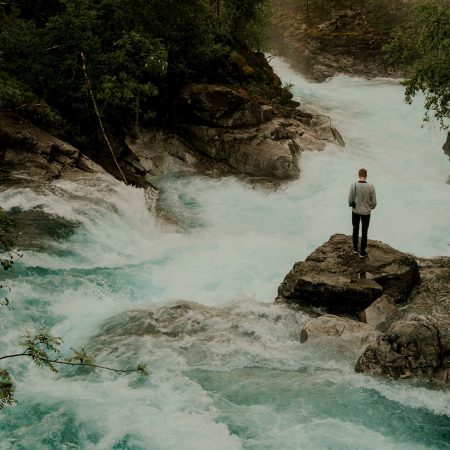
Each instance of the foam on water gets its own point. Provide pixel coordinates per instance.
(244, 381)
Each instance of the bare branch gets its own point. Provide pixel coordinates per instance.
(89, 86)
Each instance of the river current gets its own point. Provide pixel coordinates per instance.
(230, 372)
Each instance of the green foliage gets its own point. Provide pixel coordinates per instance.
(14, 94)
(132, 64)
(286, 94)
(245, 22)
(41, 347)
(256, 31)
(123, 66)
(6, 389)
(425, 47)
(81, 357)
(145, 49)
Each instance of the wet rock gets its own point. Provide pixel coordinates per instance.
(446, 146)
(134, 164)
(335, 280)
(161, 153)
(16, 132)
(230, 131)
(330, 134)
(201, 331)
(417, 347)
(419, 344)
(26, 151)
(270, 150)
(360, 334)
(37, 230)
(247, 150)
(29, 153)
(25, 165)
(381, 313)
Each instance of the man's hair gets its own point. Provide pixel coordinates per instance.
(362, 173)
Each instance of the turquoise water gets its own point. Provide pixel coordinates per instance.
(231, 373)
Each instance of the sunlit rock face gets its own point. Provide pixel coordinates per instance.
(337, 281)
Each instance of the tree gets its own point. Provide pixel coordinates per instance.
(239, 16)
(424, 46)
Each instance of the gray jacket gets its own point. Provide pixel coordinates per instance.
(363, 194)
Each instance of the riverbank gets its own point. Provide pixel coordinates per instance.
(331, 38)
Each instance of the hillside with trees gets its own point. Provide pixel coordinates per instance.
(137, 56)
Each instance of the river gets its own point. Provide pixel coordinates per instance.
(232, 375)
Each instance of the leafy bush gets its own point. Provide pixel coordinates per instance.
(424, 47)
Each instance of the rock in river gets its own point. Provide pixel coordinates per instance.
(335, 280)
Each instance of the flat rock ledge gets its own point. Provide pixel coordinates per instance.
(392, 308)
(336, 281)
(29, 152)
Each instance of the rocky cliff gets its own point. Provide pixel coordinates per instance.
(322, 39)
(244, 123)
(229, 132)
(393, 306)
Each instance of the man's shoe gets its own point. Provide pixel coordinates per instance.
(355, 251)
(363, 255)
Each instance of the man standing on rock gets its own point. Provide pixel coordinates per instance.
(362, 199)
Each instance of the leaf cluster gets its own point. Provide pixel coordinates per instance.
(41, 347)
(424, 46)
(7, 389)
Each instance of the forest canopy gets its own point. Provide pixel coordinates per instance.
(137, 52)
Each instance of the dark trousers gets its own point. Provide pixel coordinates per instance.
(356, 218)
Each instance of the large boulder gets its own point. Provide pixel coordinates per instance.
(251, 151)
(228, 126)
(418, 345)
(270, 150)
(335, 280)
